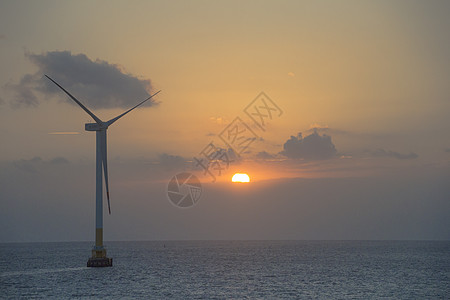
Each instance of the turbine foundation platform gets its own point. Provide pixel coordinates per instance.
(99, 258)
(99, 262)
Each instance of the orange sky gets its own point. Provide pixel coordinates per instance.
(369, 68)
(371, 75)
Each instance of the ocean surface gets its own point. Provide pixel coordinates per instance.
(229, 269)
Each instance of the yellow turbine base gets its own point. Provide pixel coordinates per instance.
(99, 258)
(99, 237)
(99, 253)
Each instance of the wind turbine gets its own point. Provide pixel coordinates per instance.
(99, 258)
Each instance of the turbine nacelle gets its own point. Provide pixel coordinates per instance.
(95, 126)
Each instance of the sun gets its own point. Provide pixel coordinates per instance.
(240, 177)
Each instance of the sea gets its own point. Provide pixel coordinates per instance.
(229, 270)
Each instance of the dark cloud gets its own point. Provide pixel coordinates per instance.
(97, 84)
(312, 147)
(388, 153)
(32, 165)
(2, 36)
(2, 101)
(447, 150)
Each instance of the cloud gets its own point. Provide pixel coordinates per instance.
(312, 147)
(388, 153)
(316, 125)
(97, 84)
(58, 161)
(64, 133)
(447, 150)
(32, 165)
(28, 165)
(2, 36)
(232, 156)
(171, 162)
(291, 74)
(219, 120)
(24, 94)
(324, 128)
(225, 155)
(264, 155)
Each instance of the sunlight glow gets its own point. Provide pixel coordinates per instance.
(240, 177)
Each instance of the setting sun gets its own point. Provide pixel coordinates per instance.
(240, 177)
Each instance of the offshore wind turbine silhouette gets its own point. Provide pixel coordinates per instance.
(99, 258)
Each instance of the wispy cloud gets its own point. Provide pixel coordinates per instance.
(219, 120)
(171, 161)
(393, 154)
(264, 155)
(97, 83)
(28, 165)
(316, 125)
(58, 160)
(32, 165)
(325, 128)
(64, 133)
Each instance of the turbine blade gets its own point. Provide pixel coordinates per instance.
(105, 165)
(99, 122)
(120, 116)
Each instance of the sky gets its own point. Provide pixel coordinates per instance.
(344, 104)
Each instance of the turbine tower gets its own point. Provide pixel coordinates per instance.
(99, 258)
